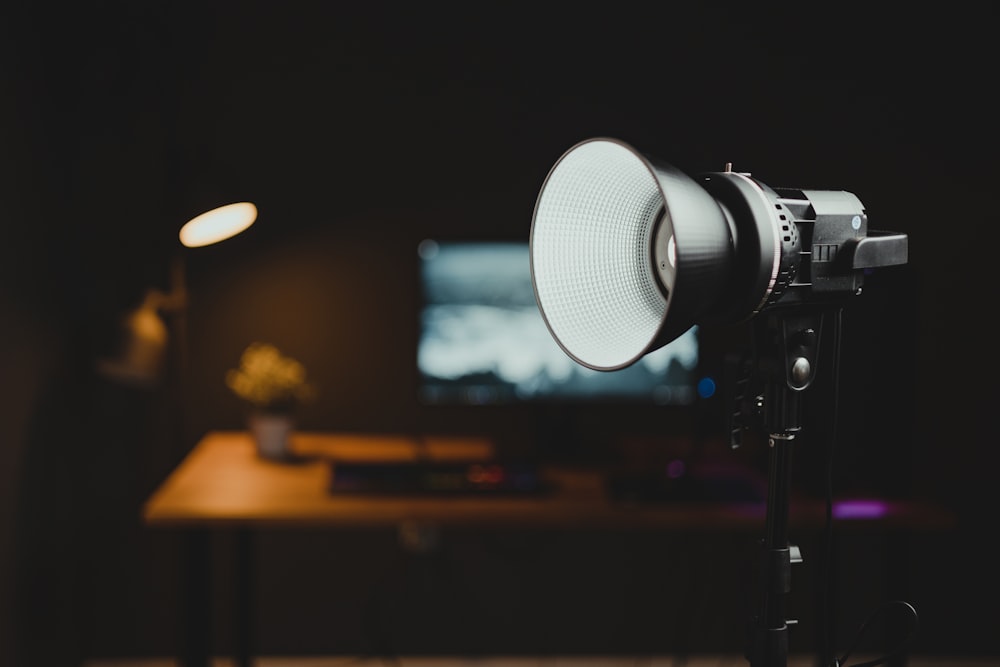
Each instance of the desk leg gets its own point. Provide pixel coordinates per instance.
(197, 607)
(243, 602)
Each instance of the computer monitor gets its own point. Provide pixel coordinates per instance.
(482, 340)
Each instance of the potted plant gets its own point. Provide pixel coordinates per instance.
(274, 385)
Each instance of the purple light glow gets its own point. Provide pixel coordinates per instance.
(675, 469)
(860, 508)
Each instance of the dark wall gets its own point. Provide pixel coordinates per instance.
(358, 131)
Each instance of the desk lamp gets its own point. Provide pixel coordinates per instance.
(138, 358)
(627, 253)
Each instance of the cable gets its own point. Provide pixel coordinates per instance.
(828, 530)
(898, 650)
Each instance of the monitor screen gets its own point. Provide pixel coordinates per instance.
(482, 339)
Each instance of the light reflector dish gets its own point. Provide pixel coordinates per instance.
(590, 236)
(617, 241)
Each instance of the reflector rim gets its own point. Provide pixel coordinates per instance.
(663, 217)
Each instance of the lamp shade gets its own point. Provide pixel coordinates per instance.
(218, 224)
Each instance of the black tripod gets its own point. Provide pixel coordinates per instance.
(770, 396)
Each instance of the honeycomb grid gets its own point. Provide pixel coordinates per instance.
(590, 255)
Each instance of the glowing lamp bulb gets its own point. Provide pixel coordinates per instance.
(218, 224)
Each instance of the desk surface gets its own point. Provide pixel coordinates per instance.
(222, 482)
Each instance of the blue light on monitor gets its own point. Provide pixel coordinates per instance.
(483, 340)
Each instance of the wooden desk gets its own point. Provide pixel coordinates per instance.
(223, 484)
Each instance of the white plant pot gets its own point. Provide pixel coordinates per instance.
(271, 432)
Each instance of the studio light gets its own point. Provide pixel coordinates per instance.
(628, 252)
